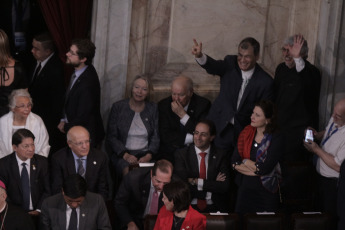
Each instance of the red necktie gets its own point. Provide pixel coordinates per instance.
(154, 203)
(202, 175)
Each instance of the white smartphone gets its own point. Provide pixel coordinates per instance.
(309, 135)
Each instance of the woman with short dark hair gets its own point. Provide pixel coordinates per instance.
(177, 213)
(256, 161)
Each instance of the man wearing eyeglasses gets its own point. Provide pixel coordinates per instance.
(79, 158)
(25, 173)
(206, 169)
(82, 103)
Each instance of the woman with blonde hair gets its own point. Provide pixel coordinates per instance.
(12, 74)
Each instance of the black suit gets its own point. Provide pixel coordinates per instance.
(187, 166)
(132, 196)
(39, 179)
(224, 108)
(341, 198)
(82, 105)
(172, 132)
(48, 91)
(63, 165)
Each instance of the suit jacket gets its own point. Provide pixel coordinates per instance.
(131, 198)
(48, 93)
(17, 218)
(224, 108)
(63, 165)
(82, 105)
(194, 220)
(93, 213)
(186, 166)
(39, 179)
(172, 134)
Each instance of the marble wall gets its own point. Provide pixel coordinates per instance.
(154, 37)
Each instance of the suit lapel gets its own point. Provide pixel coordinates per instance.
(193, 161)
(15, 171)
(83, 215)
(211, 163)
(61, 214)
(89, 162)
(191, 106)
(70, 163)
(33, 176)
(145, 189)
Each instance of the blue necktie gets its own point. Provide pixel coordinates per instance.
(25, 187)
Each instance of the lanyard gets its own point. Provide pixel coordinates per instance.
(329, 134)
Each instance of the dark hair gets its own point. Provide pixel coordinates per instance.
(86, 49)
(210, 124)
(74, 186)
(249, 41)
(46, 41)
(269, 109)
(21, 134)
(178, 192)
(163, 166)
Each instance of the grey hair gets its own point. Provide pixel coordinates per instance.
(304, 50)
(17, 93)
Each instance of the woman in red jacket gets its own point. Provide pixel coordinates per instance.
(177, 213)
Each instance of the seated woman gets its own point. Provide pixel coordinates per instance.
(177, 213)
(256, 160)
(20, 116)
(132, 135)
(12, 75)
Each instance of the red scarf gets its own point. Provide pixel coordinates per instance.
(245, 140)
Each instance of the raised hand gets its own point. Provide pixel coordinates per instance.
(297, 45)
(197, 49)
(178, 109)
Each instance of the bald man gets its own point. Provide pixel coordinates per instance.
(331, 154)
(79, 158)
(178, 116)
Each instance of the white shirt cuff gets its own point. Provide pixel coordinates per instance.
(300, 64)
(184, 119)
(189, 139)
(200, 184)
(202, 60)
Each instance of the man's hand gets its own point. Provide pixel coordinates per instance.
(297, 45)
(197, 49)
(221, 177)
(132, 226)
(145, 158)
(132, 160)
(317, 135)
(311, 146)
(178, 109)
(61, 126)
(34, 213)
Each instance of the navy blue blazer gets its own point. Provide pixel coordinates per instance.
(225, 105)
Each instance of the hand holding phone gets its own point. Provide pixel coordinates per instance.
(309, 135)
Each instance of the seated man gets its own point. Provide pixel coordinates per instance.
(10, 214)
(74, 208)
(206, 169)
(140, 193)
(178, 115)
(331, 154)
(79, 158)
(25, 173)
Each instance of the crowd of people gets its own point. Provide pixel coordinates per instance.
(231, 155)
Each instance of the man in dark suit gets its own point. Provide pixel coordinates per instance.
(140, 193)
(82, 103)
(78, 157)
(178, 115)
(206, 169)
(242, 83)
(74, 208)
(25, 173)
(47, 87)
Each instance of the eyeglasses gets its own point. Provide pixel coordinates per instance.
(28, 106)
(27, 146)
(81, 143)
(72, 53)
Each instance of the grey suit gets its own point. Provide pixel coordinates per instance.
(93, 213)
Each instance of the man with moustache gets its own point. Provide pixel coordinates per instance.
(206, 169)
(242, 83)
(82, 103)
(178, 115)
(297, 91)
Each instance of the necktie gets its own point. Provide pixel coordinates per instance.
(25, 187)
(81, 169)
(154, 203)
(202, 174)
(243, 87)
(73, 221)
(38, 69)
